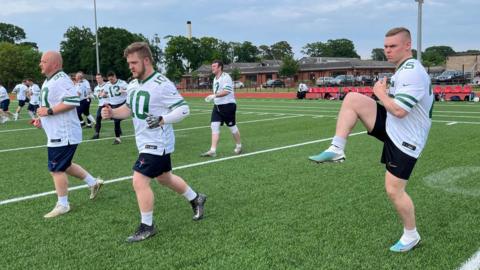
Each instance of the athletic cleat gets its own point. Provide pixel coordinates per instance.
(209, 153)
(95, 136)
(3, 119)
(15, 116)
(143, 232)
(399, 247)
(57, 211)
(117, 141)
(197, 206)
(237, 150)
(96, 188)
(332, 154)
(88, 126)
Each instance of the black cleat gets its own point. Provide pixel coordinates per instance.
(143, 232)
(197, 206)
(117, 141)
(95, 136)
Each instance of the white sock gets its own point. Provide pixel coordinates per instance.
(189, 194)
(409, 236)
(90, 117)
(213, 149)
(339, 142)
(90, 180)
(239, 145)
(147, 218)
(32, 115)
(63, 200)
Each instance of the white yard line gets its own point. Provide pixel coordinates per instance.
(23, 198)
(127, 136)
(473, 263)
(451, 123)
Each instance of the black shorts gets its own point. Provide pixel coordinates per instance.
(60, 158)
(4, 105)
(396, 162)
(224, 113)
(152, 165)
(32, 108)
(21, 103)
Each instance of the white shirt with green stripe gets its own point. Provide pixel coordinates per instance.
(410, 87)
(116, 92)
(158, 96)
(223, 83)
(62, 128)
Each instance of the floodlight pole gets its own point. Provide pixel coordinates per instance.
(96, 35)
(419, 30)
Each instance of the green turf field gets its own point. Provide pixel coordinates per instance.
(269, 208)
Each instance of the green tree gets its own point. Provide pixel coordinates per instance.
(18, 62)
(236, 74)
(11, 33)
(181, 56)
(264, 53)
(378, 54)
(281, 50)
(332, 48)
(436, 55)
(289, 67)
(246, 52)
(314, 49)
(78, 50)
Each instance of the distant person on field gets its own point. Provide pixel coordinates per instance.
(59, 120)
(117, 95)
(302, 91)
(402, 123)
(224, 109)
(99, 93)
(21, 91)
(4, 103)
(84, 92)
(33, 94)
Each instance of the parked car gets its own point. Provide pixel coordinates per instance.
(450, 76)
(383, 75)
(341, 80)
(324, 81)
(364, 80)
(238, 84)
(204, 85)
(274, 83)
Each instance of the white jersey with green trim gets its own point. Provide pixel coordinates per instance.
(3, 93)
(117, 92)
(35, 94)
(62, 128)
(223, 83)
(97, 91)
(158, 96)
(21, 90)
(83, 89)
(410, 87)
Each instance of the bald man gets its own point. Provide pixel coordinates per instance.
(402, 123)
(58, 117)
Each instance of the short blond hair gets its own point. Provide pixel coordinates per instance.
(398, 30)
(141, 48)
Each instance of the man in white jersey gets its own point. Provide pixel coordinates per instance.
(84, 92)
(58, 117)
(21, 91)
(117, 96)
(154, 104)
(33, 93)
(101, 94)
(4, 103)
(224, 109)
(402, 123)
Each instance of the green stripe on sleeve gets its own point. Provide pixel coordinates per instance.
(407, 96)
(404, 101)
(178, 104)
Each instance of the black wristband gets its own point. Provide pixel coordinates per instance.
(50, 111)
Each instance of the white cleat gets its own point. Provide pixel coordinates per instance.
(237, 150)
(332, 154)
(96, 188)
(15, 116)
(57, 211)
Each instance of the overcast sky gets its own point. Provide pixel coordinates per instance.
(445, 22)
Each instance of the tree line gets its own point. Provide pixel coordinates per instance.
(181, 55)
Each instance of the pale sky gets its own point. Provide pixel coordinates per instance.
(445, 22)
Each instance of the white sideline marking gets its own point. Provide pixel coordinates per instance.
(18, 199)
(127, 136)
(451, 123)
(473, 263)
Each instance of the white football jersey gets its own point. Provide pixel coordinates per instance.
(117, 92)
(21, 90)
(99, 89)
(35, 94)
(224, 82)
(155, 95)
(83, 89)
(3, 93)
(410, 87)
(62, 128)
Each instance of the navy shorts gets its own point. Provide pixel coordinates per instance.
(152, 165)
(396, 162)
(4, 105)
(32, 108)
(60, 158)
(224, 113)
(21, 103)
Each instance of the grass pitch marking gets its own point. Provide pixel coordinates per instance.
(450, 180)
(43, 194)
(473, 263)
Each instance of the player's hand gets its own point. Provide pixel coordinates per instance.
(153, 121)
(107, 112)
(380, 87)
(37, 123)
(42, 111)
(209, 98)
